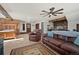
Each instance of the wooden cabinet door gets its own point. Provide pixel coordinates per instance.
(1, 35)
(1, 26)
(9, 35)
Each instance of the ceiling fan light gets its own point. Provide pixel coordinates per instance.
(49, 15)
(52, 8)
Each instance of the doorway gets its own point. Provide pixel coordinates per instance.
(37, 26)
(28, 26)
(78, 27)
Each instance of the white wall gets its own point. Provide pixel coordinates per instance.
(45, 21)
(45, 27)
(73, 19)
(32, 26)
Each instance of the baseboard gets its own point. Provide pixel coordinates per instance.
(23, 32)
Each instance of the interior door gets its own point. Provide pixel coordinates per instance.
(78, 27)
(37, 26)
(28, 26)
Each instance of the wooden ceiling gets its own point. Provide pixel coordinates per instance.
(4, 12)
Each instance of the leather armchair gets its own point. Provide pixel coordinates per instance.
(35, 36)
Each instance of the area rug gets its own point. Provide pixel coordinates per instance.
(35, 49)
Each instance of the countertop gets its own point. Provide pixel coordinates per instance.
(8, 30)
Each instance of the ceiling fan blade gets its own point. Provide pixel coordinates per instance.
(42, 14)
(59, 13)
(46, 15)
(58, 10)
(52, 8)
(45, 11)
(54, 14)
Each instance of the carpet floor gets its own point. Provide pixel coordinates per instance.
(34, 49)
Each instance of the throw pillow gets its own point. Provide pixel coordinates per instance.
(50, 34)
(77, 41)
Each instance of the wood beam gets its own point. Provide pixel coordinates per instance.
(5, 13)
(59, 19)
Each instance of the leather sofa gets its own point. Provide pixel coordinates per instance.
(35, 36)
(61, 46)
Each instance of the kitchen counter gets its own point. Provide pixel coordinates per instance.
(7, 34)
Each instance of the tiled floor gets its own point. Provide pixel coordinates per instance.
(22, 40)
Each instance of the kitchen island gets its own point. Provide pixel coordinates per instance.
(7, 34)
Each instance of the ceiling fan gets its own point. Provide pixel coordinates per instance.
(52, 12)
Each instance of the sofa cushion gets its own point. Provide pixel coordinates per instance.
(77, 41)
(70, 47)
(47, 38)
(56, 42)
(32, 33)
